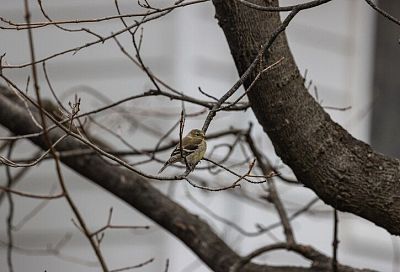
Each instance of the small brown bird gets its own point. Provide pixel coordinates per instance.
(194, 147)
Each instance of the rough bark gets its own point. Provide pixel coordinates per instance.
(343, 171)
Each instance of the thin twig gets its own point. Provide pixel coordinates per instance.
(133, 266)
(302, 6)
(383, 13)
(108, 225)
(29, 195)
(10, 212)
(17, 177)
(265, 47)
(33, 25)
(52, 149)
(335, 242)
(273, 195)
(166, 265)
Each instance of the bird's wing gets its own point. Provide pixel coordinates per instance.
(188, 148)
(187, 141)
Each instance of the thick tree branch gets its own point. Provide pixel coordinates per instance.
(344, 172)
(140, 194)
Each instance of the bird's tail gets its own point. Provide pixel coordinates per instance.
(162, 168)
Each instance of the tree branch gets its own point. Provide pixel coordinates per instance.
(137, 192)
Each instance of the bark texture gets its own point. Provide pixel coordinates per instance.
(343, 171)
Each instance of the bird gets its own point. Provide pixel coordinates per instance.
(194, 147)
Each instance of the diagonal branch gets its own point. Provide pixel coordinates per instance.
(137, 192)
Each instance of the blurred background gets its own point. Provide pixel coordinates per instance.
(345, 50)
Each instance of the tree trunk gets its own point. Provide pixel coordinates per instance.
(343, 171)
